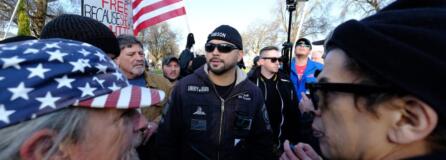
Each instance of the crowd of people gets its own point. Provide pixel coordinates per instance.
(80, 92)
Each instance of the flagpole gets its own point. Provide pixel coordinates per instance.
(12, 17)
(301, 22)
(187, 19)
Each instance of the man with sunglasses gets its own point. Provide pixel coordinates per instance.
(370, 107)
(216, 112)
(280, 98)
(302, 67)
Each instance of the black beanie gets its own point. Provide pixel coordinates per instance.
(82, 29)
(405, 43)
(228, 34)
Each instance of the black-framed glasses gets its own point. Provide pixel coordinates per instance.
(273, 59)
(222, 47)
(359, 89)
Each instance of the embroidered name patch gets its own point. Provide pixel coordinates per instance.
(198, 89)
(245, 97)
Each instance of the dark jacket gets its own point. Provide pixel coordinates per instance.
(290, 124)
(199, 124)
(185, 56)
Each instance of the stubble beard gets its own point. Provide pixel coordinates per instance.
(223, 69)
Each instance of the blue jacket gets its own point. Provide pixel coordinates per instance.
(308, 77)
(199, 124)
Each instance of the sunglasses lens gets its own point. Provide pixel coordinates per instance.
(224, 48)
(209, 47)
(274, 60)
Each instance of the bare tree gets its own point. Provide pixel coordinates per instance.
(316, 20)
(363, 7)
(39, 12)
(160, 41)
(259, 35)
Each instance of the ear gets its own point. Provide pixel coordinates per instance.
(413, 121)
(37, 145)
(240, 55)
(261, 62)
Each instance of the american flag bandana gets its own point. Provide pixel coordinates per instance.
(43, 76)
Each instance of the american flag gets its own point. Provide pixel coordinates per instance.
(150, 12)
(42, 76)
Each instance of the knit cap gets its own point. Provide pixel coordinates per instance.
(82, 29)
(228, 34)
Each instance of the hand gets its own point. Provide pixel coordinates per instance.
(190, 41)
(305, 104)
(300, 151)
(288, 153)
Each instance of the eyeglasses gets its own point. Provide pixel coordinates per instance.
(303, 45)
(273, 59)
(359, 89)
(222, 47)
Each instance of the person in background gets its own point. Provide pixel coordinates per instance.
(369, 106)
(255, 64)
(133, 65)
(317, 56)
(302, 68)
(171, 68)
(57, 104)
(198, 61)
(280, 98)
(187, 56)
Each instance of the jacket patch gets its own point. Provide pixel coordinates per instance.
(198, 89)
(198, 124)
(245, 97)
(199, 111)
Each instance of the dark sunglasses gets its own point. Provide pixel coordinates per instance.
(273, 59)
(303, 45)
(359, 89)
(222, 47)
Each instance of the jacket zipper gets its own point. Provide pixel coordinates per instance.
(281, 112)
(221, 124)
(221, 118)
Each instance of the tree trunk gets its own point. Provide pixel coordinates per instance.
(39, 18)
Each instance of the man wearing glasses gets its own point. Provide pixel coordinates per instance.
(280, 98)
(302, 68)
(216, 112)
(370, 107)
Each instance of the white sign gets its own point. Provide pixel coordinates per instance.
(116, 14)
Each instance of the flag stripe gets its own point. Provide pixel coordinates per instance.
(124, 100)
(158, 19)
(146, 97)
(136, 97)
(157, 12)
(99, 101)
(86, 102)
(112, 99)
(147, 7)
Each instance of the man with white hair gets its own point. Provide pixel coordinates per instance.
(63, 99)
